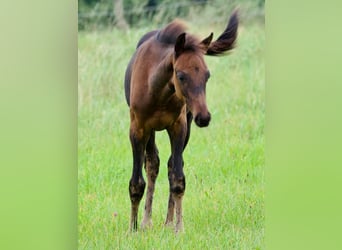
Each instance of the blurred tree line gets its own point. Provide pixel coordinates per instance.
(129, 13)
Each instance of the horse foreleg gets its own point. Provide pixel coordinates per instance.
(179, 213)
(137, 183)
(177, 188)
(177, 135)
(188, 128)
(152, 169)
(171, 204)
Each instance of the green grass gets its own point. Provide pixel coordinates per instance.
(224, 163)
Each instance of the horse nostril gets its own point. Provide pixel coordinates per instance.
(202, 121)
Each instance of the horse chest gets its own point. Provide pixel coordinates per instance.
(159, 115)
(161, 119)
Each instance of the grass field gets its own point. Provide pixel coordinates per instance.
(224, 163)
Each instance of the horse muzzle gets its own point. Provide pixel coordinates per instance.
(202, 120)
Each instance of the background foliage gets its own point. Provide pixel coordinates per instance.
(224, 163)
(95, 14)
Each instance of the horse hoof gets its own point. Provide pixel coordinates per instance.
(179, 229)
(169, 224)
(146, 224)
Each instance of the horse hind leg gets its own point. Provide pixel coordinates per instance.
(152, 169)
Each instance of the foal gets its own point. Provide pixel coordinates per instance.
(165, 85)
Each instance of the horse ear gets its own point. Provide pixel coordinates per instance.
(179, 46)
(206, 42)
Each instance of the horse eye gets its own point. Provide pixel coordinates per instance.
(181, 76)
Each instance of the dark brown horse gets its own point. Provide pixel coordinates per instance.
(165, 86)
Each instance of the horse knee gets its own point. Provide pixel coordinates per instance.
(177, 184)
(176, 178)
(136, 189)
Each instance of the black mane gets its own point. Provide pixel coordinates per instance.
(170, 33)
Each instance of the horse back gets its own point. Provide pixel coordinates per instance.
(128, 72)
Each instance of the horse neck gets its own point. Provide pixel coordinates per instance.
(162, 74)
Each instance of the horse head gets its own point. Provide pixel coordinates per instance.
(190, 72)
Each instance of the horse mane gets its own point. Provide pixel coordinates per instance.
(146, 37)
(170, 33)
